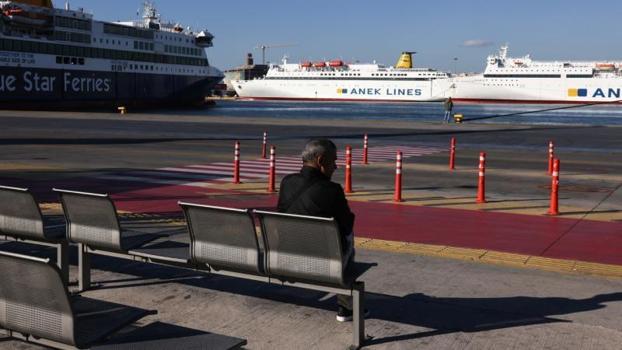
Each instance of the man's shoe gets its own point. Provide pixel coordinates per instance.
(345, 315)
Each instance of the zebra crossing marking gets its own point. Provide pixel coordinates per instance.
(202, 175)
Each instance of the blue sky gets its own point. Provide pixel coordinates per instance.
(379, 30)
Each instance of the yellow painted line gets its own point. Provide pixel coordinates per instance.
(551, 264)
(420, 248)
(358, 242)
(599, 269)
(29, 167)
(493, 257)
(462, 253)
(50, 206)
(378, 244)
(504, 258)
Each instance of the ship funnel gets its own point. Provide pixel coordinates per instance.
(405, 60)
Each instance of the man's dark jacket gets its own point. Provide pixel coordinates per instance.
(312, 193)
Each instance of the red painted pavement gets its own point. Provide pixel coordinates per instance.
(553, 237)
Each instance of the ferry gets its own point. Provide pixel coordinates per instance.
(523, 80)
(336, 80)
(57, 58)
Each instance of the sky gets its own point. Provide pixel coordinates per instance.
(447, 35)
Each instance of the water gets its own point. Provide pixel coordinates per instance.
(429, 112)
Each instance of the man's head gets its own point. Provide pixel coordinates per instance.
(321, 154)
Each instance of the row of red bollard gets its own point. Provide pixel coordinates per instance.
(554, 167)
(553, 170)
(271, 169)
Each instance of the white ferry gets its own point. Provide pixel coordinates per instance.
(338, 81)
(523, 80)
(52, 57)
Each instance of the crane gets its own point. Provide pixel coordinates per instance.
(263, 48)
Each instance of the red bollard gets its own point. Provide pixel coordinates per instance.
(397, 197)
(365, 145)
(452, 154)
(551, 156)
(272, 171)
(554, 208)
(481, 184)
(263, 146)
(348, 188)
(236, 163)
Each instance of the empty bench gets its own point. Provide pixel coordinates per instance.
(21, 219)
(36, 307)
(291, 250)
(93, 224)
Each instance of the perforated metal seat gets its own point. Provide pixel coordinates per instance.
(21, 219)
(35, 306)
(303, 248)
(92, 222)
(223, 238)
(20, 216)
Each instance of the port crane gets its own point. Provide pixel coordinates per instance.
(269, 46)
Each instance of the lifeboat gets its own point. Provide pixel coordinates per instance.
(13, 11)
(335, 63)
(605, 66)
(306, 64)
(40, 3)
(518, 63)
(20, 15)
(321, 64)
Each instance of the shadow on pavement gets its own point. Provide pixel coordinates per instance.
(438, 315)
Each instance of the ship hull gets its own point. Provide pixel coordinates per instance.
(339, 90)
(479, 89)
(34, 88)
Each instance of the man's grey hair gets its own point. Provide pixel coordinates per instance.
(317, 148)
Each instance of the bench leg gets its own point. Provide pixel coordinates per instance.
(84, 268)
(62, 260)
(358, 316)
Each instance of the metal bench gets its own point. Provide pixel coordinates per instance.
(224, 241)
(306, 252)
(298, 251)
(92, 222)
(21, 219)
(36, 307)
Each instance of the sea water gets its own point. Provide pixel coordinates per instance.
(426, 111)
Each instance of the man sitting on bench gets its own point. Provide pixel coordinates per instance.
(311, 192)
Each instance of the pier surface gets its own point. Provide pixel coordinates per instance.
(451, 273)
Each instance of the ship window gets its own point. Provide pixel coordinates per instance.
(59, 60)
(66, 60)
(74, 60)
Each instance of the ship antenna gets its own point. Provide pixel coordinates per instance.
(503, 52)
